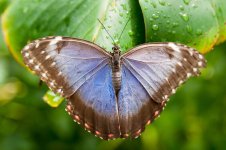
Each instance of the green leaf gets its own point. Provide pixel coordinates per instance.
(3, 5)
(220, 9)
(190, 22)
(52, 99)
(31, 19)
(3, 48)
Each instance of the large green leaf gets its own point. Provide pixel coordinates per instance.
(190, 22)
(26, 20)
(220, 9)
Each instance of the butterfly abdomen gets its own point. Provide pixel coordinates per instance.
(116, 78)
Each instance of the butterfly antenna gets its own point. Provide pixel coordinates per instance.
(106, 31)
(123, 29)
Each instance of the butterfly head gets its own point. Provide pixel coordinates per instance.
(116, 55)
(116, 48)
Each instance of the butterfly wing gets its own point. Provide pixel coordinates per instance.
(64, 63)
(94, 105)
(150, 74)
(80, 71)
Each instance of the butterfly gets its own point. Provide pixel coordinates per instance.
(112, 95)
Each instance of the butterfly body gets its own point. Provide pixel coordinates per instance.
(116, 68)
(112, 95)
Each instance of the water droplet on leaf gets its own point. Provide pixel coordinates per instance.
(155, 16)
(187, 2)
(189, 28)
(181, 7)
(153, 4)
(155, 27)
(175, 24)
(162, 2)
(184, 16)
(199, 32)
(124, 6)
(131, 33)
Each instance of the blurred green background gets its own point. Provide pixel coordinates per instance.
(195, 117)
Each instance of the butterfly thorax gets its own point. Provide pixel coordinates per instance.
(116, 68)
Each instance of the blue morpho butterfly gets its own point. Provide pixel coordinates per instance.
(112, 95)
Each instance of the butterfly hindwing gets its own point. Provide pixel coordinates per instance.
(94, 105)
(64, 63)
(136, 107)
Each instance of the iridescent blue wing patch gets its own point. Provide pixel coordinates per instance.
(94, 105)
(136, 107)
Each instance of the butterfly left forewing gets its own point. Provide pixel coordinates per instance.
(157, 69)
(64, 63)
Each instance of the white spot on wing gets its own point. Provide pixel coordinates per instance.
(59, 73)
(200, 63)
(44, 75)
(165, 96)
(195, 69)
(58, 38)
(188, 75)
(55, 40)
(174, 70)
(31, 61)
(52, 83)
(37, 67)
(37, 45)
(174, 47)
(180, 64)
(173, 91)
(191, 51)
(26, 47)
(26, 54)
(200, 56)
(59, 90)
(180, 82)
(47, 57)
(53, 64)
